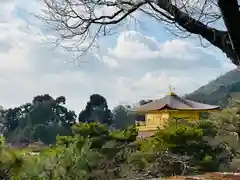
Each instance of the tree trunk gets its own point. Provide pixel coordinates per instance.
(230, 14)
(216, 37)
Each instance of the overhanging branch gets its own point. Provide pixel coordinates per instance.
(230, 13)
(69, 21)
(216, 37)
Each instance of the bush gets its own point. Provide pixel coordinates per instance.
(234, 165)
(94, 152)
(192, 140)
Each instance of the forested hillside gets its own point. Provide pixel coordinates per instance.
(219, 90)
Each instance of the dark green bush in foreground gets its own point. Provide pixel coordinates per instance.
(94, 153)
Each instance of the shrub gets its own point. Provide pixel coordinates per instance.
(95, 152)
(190, 140)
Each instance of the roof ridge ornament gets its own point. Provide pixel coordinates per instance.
(171, 92)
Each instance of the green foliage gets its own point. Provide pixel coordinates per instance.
(227, 123)
(95, 151)
(190, 140)
(122, 117)
(43, 120)
(219, 91)
(234, 165)
(79, 158)
(90, 129)
(96, 110)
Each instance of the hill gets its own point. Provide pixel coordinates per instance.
(219, 90)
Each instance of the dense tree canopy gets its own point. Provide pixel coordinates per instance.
(123, 117)
(95, 152)
(219, 91)
(45, 118)
(92, 150)
(42, 120)
(84, 21)
(96, 110)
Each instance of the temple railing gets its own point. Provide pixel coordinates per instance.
(142, 126)
(140, 123)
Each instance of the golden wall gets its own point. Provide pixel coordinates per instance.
(154, 121)
(187, 115)
(160, 119)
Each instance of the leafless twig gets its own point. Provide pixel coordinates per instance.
(80, 23)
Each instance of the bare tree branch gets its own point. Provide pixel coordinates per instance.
(84, 21)
(216, 37)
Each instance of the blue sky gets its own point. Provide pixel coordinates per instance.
(136, 63)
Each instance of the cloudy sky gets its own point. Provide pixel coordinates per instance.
(137, 63)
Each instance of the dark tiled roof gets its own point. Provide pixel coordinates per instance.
(174, 102)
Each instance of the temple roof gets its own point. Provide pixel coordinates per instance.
(174, 102)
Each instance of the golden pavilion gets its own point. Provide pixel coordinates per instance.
(156, 114)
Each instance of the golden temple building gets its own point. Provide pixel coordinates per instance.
(156, 114)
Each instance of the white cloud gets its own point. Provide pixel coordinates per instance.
(29, 66)
(178, 49)
(155, 84)
(6, 9)
(111, 62)
(148, 66)
(133, 47)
